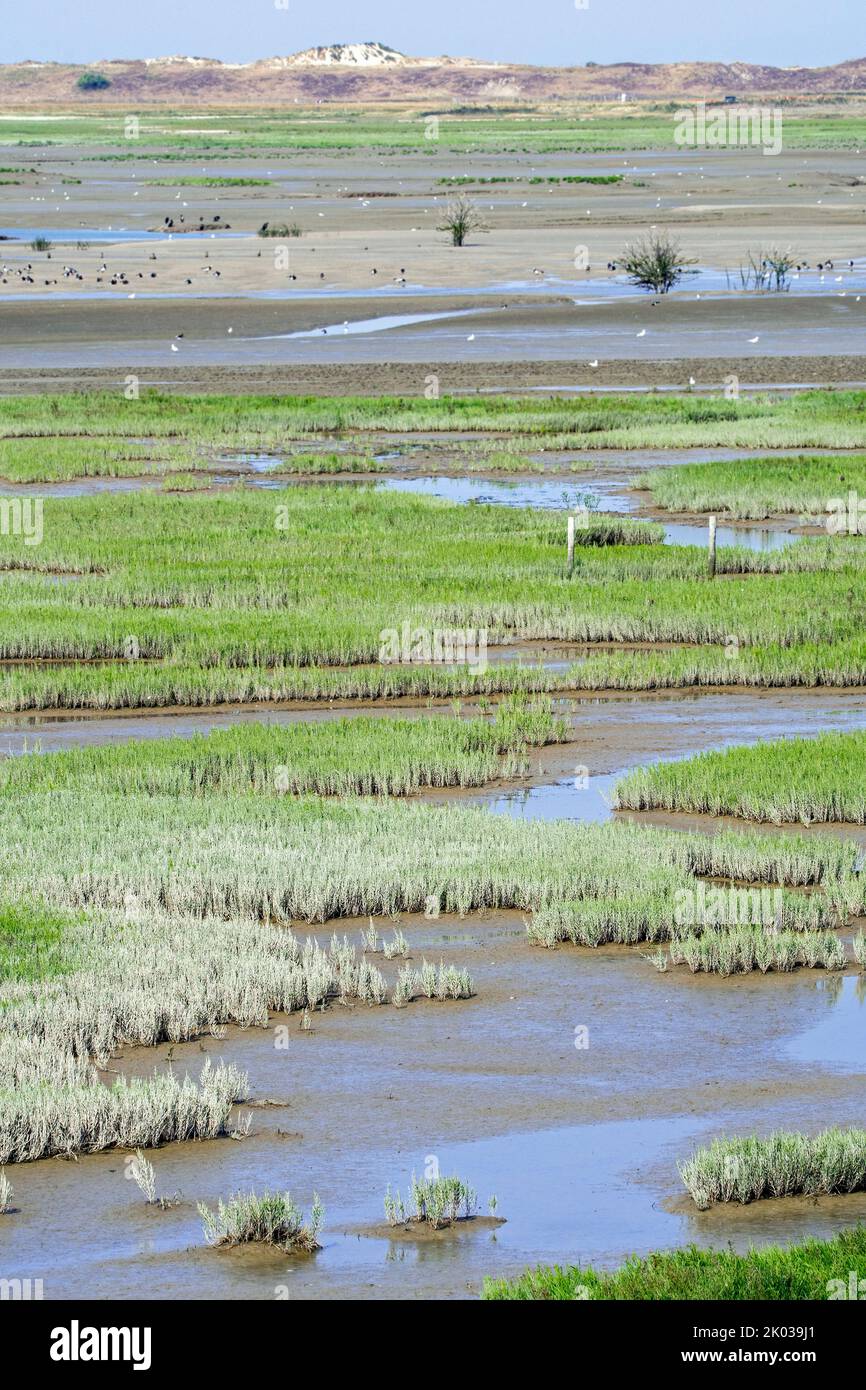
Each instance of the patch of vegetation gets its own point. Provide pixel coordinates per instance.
(280, 229)
(656, 263)
(648, 913)
(64, 458)
(93, 82)
(808, 1271)
(272, 1219)
(358, 756)
(801, 485)
(207, 181)
(434, 1202)
(312, 464)
(738, 950)
(33, 941)
(55, 1103)
(798, 780)
(783, 1165)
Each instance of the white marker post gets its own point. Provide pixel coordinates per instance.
(712, 548)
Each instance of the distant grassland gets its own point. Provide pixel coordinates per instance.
(793, 780)
(205, 181)
(47, 459)
(585, 129)
(811, 419)
(756, 488)
(811, 1270)
(464, 180)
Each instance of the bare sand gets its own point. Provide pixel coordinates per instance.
(512, 310)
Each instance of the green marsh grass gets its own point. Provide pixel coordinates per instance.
(219, 587)
(785, 1164)
(359, 756)
(61, 459)
(809, 419)
(34, 941)
(810, 1270)
(482, 130)
(631, 914)
(207, 181)
(797, 780)
(313, 464)
(801, 485)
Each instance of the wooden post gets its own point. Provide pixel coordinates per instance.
(570, 546)
(712, 550)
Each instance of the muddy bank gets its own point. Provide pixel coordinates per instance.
(580, 1146)
(713, 825)
(523, 376)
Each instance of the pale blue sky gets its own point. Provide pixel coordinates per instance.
(780, 32)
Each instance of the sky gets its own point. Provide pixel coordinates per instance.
(552, 32)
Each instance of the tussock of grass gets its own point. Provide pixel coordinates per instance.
(183, 482)
(435, 1202)
(279, 229)
(810, 1270)
(312, 464)
(783, 1165)
(272, 1219)
(793, 780)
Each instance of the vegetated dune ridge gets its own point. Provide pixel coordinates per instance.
(372, 73)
